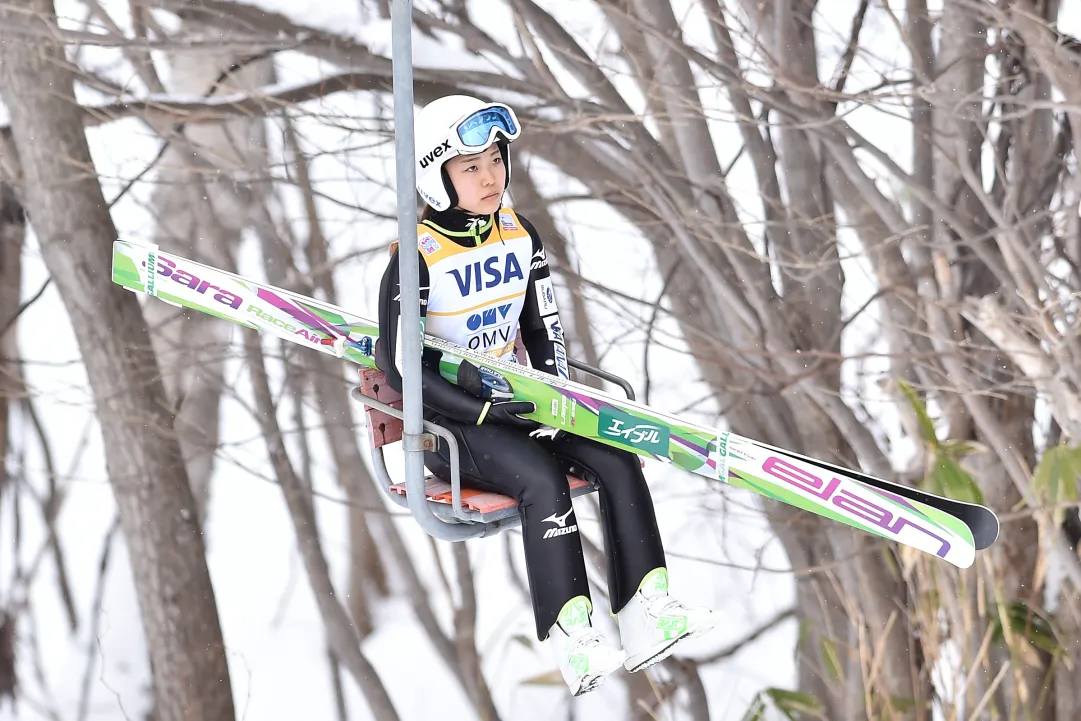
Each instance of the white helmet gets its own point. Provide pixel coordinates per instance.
(458, 125)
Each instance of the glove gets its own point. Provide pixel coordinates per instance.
(506, 414)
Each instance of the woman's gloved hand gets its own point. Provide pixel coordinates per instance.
(506, 413)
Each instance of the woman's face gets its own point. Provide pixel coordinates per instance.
(479, 180)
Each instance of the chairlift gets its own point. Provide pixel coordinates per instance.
(451, 511)
(442, 507)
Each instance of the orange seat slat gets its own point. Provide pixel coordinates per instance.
(387, 429)
(439, 491)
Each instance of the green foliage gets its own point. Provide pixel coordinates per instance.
(945, 476)
(903, 704)
(1055, 479)
(523, 639)
(831, 658)
(794, 705)
(927, 426)
(1024, 622)
(948, 479)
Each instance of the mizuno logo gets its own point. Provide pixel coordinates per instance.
(539, 260)
(561, 529)
(560, 521)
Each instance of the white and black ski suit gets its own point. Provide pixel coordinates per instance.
(483, 278)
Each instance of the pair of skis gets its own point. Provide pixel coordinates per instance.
(952, 530)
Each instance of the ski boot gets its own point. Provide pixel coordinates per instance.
(585, 656)
(652, 622)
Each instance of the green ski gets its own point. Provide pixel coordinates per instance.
(952, 530)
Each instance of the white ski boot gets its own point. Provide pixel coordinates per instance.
(652, 622)
(585, 656)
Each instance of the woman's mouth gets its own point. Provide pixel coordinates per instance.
(489, 197)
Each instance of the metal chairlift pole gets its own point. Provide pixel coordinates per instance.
(409, 272)
(414, 440)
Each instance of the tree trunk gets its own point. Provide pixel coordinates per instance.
(201, 209)
(67, 209)
(341, 635)
(12, 233)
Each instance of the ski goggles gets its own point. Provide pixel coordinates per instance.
(476, 131)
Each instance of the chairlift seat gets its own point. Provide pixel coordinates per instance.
(478, 506)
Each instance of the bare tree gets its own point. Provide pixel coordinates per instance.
(12, 233)
(64, 201)
(973, 262)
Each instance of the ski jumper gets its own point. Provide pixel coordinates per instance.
(482, 279)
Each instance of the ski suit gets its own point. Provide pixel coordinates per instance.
(482, 278)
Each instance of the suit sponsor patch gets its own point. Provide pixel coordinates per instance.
(428, 243)
(554, 328)
(546, 296)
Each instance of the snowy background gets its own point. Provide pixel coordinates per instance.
(721, 552)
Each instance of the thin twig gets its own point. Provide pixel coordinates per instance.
(465, 617)
(340, 632)
(50, 508)
(336, 684)
(850, 50)
(990, 692)
(39, 668)
(749, 638)
(95, 620)
(33, 299)
(652, 321)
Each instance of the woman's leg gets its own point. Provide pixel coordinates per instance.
(651, 622)
(510, 462)
(632, 540)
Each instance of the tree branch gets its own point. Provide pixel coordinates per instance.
(849, 55)
(341, 635)
(95, 619)
(757, 632)
(465, 617)
(1026, 353)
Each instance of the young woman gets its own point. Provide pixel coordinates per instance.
(484, 277)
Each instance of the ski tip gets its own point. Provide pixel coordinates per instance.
(986, 533)
(962, 562)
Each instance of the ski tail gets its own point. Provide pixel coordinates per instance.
(295, 318)
(844, 496)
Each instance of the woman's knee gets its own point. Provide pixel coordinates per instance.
(547, 487)
(617, 467)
